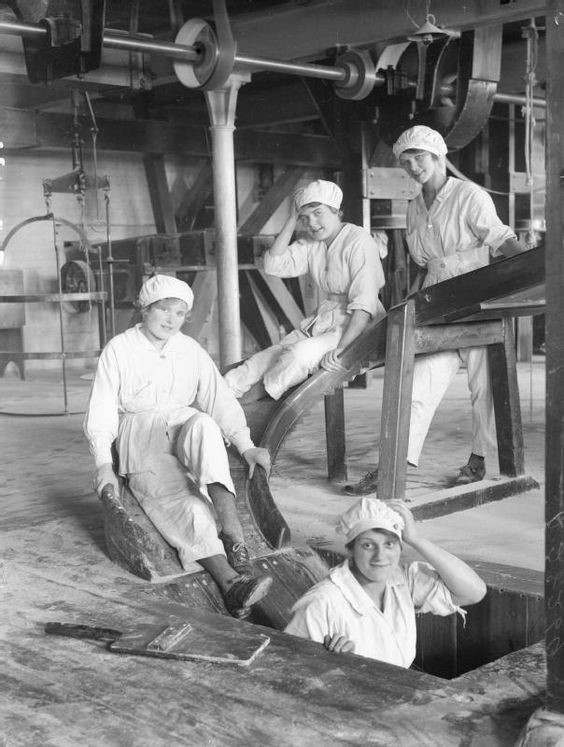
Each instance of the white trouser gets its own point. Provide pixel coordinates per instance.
(432, 375)
(283, 365)
(176, 502)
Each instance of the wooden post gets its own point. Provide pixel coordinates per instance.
(221, 107)
(335, 436)
(396, 401)
(554, 539)
(505, 389)
(163, 209)
(546, 725)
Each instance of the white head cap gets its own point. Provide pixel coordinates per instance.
(165, 286)
(319, 190)
(369, 513)
(420, 138)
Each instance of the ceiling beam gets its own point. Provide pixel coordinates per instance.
(256, 106)
(307, 31)
(25, 129)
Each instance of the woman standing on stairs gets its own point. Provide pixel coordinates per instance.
(452, 228)
(344, 262)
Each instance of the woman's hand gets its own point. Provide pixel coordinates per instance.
(331, 362)
(409, 533)
(259, 456)
(464, 584)
(103, 476)
(338, 644)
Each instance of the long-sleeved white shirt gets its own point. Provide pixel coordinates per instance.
(457, 233)
(134, 378)
(349, 272)
(339, 605)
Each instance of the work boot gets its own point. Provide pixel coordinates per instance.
(365, 485)
(238, 555)
(474, 471)
(244, 592)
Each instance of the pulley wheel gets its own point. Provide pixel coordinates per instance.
(197, 33)
(360, 75)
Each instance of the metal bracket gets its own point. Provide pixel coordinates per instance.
(71, 46)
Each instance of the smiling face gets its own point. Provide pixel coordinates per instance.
(375, 554)
(163, 319)
(421, 165)
(321, 222)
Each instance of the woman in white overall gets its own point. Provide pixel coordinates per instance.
(344, 262)
(452, 228)
(159, 396)
(367, 604)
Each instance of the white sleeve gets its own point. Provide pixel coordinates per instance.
(101, 421)
(429, 592)
(290, 264)
(484, 222)
(367, 275)
(310, 617)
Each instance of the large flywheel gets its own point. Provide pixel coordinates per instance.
(449, 84)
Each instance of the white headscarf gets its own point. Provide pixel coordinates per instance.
(420, 138)
(319, 190)
(165, 286)
(369, 513)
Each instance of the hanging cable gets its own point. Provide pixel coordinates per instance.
(110, 262)
(98, 224)
(452, 168)
(532, 36)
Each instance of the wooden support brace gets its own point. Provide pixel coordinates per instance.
(505, 388)
(335, 436)
(267, 315)
(163, 210)
(251, 313)
(204, 287)
(440, 337)
(396, 404)
(281, 189)
(283, 297)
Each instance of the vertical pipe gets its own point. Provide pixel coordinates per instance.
(221, 107)
(230, 343)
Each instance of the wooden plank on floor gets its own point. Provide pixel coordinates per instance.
(462, 497)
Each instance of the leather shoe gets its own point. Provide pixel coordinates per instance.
(474, 471)
(244, 592)
(238, 555)
(365, 485)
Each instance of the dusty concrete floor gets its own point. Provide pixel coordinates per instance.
(508, 531)
(53, 564)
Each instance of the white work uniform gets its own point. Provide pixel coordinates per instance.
(455, 235)
(349, 273)
(169, 411)
(338, 605)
